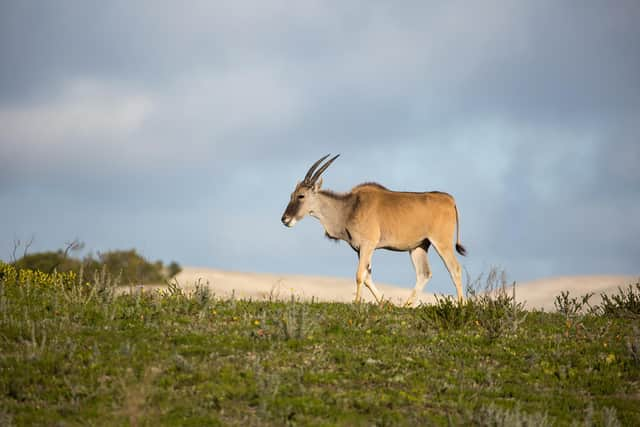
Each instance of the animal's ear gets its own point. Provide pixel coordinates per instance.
(317, 185)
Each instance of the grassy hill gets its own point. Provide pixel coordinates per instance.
(75, 353)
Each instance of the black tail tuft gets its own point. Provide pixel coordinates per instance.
(461, 250)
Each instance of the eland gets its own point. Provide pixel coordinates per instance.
(371, 217)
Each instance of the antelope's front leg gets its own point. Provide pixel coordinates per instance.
(364, 262)
(358, 292)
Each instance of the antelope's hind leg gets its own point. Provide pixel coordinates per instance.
(451, 262)
(423, 272)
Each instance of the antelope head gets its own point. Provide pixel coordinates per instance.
(304, 199)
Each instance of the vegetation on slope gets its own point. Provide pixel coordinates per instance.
(74, 352)
(130, 267)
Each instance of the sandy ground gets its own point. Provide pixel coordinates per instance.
(542, 293)
(536, 294)
(283, 286)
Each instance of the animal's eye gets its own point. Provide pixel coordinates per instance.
(301, 196)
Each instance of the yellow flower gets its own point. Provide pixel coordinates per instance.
(256, 322)
(610, 358)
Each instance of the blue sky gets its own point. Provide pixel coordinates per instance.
(180, 129)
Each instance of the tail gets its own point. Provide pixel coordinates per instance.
(461, 250)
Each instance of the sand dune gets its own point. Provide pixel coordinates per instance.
(542, 293)
(284, 286)
(536, 294)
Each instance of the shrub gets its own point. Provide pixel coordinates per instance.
(47, 262)
(499, 313)
(571, 307)
(133, 267)
(447, 313)
(173, 269)
(129, 266)
(496, 416)
(633, 345)
(626, 303)
(488, 305)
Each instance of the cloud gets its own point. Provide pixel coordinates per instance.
(85, 110)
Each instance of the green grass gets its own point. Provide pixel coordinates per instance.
(75, 354)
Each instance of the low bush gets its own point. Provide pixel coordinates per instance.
(625, 303)
(490, 306)
(571, 306)
(131, 267)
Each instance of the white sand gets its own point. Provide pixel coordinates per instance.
(536, 294)
(284, 286)
(542, 293)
